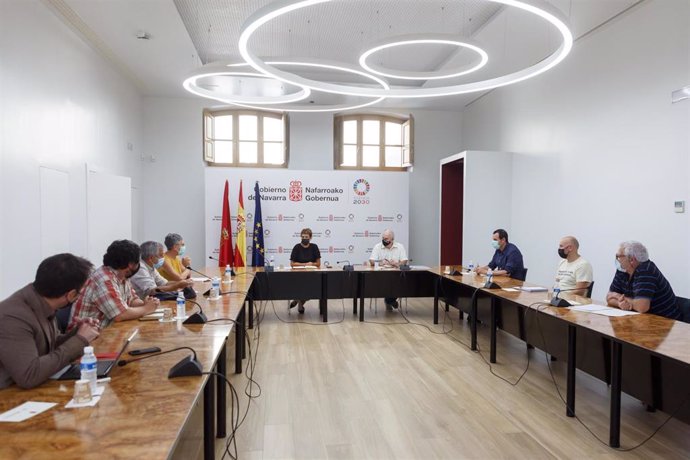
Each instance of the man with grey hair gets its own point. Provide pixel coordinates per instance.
(574, 272)
(390, 254)
(147, 281)
(639, 285)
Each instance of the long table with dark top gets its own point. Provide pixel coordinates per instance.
(646, 356)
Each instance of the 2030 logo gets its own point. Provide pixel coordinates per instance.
(361, 187)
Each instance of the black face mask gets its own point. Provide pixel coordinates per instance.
(385, 242)
(305, 241)
(562, 254)
(133, 272)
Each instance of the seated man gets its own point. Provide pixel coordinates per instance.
(108, 295)
(147, 281)
(507, 259)
(304, 254)
(574, 272)
(175, 264)
(389, 254)
(639, 285)
(31, 346)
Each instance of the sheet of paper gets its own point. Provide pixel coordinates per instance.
(510, 289)
(420, 267)
(199, 279)
(533, 289)
(590, 308)
(25, 411)
(615, 312)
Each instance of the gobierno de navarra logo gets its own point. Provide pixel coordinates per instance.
(361, 187)
(295, 190)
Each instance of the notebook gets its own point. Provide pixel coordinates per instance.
(73, 372)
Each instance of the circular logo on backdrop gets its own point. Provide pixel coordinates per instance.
(351, 248)
(351, 217)
(399, 217)
(301, 217)
(361, 187)
(249, 216)
(267, 232)
(327, 232)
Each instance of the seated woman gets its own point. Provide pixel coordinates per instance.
(304, 254)
(174, 263)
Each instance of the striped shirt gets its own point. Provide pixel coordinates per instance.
(104, 297)
(647, 282)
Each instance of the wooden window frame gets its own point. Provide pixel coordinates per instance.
(208, 143)
(407, 124)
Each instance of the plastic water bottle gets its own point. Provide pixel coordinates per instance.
(228, 274)
(215, 287)
(180, 305)
(489, 276)
(556, 290)
(89, 368)
(470, 266)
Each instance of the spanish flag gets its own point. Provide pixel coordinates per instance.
(241, 240)
(225, 254)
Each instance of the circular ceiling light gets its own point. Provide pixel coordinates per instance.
(423, 39)
(194, 85)
(276, 9)
(319, 64)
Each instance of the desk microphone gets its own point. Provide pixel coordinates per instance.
(406, 266)
(202, 274)
(188, 366)
(558, 302)
(196, 318)
(232, 271)
(347, 267)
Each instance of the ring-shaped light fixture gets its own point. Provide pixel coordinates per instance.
(217, 70)
(423, 39)
(321, 65)
(279, 8)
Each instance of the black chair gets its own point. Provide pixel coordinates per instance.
(590, 288)
(683, 305)
(520, 275)
(62, 317)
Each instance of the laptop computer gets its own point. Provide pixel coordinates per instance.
(73, 372)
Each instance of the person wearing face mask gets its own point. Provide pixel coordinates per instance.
(639, 285)
(175, 262)
(304, 254)
(108, 294)
(507, 259)
(574, 272)
(147, 281)
(389, 253)
(31, 345)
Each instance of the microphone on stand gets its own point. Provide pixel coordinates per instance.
(198, 272)
(406, 266)
(188, 366)
(196, 318)
(558, 302)
(347, 267)
(232, 271)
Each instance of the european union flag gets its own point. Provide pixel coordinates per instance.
(258, 240)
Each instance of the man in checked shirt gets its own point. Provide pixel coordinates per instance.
(108, 295)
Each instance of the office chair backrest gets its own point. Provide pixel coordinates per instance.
(520, 275)
(590, 288)
(683, 305)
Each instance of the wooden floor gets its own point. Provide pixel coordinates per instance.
(394, 390)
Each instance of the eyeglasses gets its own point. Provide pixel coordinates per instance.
(618, 256)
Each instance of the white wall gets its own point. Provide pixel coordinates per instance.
(62, 106)
(599, 150)
(173, 135)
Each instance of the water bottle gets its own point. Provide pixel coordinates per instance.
(89, 368)
(215, 287)
(228, 274)
(471, 266)
(180, 305)
(489, 276)
(556, 290)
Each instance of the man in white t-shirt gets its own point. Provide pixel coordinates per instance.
(389, 254)
(574, 272)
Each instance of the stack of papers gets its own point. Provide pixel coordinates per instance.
(533, 289)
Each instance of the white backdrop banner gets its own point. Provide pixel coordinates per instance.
(346, 210)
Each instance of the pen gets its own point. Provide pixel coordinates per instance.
(103, 380)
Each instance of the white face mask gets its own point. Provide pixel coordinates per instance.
(495, 244)
(159, 264)
(619, 267)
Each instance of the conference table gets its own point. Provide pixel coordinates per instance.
(646, 356)
(142, 412)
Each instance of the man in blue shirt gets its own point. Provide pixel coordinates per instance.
(507, 259)
(639, 285)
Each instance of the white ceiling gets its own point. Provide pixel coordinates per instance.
(186, 33)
